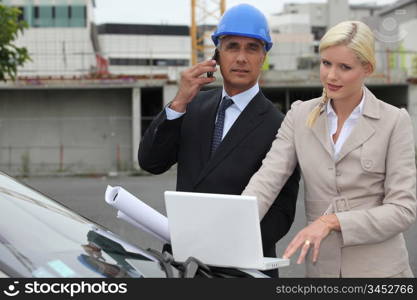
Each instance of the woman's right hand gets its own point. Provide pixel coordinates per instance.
(311, 236)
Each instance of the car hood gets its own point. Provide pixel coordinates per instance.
(41, 238)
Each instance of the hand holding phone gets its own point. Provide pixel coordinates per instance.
(215, 57)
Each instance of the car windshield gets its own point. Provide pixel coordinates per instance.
(42, 238)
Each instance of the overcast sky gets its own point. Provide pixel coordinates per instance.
(178, 11)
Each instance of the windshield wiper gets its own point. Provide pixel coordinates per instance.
(189, 269)
(165, 260)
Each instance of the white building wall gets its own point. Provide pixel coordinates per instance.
(145, 47)
(286, 54)
(292, 29)
(316, 11)
(337, 11)
(290, 23)
(359, 14)
(292, 39)
(57, 52)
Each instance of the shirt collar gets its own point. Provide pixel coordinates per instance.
(242, 100)
(356, 113)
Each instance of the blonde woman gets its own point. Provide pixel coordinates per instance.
(356, 155)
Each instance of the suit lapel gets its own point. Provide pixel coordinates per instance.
(359, 135)
(363, 130)
(320, 131)
(207, 115)
(247, 121)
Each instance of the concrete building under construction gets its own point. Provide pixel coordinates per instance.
(83, 102)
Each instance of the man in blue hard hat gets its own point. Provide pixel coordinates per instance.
(219, 137)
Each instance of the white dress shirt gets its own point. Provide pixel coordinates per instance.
(348, 125)
(240, 101)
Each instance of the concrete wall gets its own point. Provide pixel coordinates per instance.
(70, 131)
(96, 131)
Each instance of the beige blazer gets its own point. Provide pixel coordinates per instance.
(371, 186)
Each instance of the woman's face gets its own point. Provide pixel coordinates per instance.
(342, 74)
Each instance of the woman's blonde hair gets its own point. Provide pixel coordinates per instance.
(358, 37)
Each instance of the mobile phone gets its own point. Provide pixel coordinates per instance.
(215, 57)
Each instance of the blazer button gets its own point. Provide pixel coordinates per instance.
(367, 163)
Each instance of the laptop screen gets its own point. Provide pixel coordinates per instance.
(220, 230)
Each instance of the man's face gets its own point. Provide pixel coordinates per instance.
(241, 60)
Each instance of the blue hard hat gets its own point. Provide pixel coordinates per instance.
(244, 20)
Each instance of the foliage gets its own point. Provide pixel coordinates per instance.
(11, 56)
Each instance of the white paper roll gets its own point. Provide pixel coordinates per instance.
(122, 216)
(138, 211)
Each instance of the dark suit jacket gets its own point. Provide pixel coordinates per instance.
(187, 141)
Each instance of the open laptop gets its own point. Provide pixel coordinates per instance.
(220, 230)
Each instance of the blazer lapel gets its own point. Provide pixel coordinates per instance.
(247, 121)
(363, 130)
(320, 131)
(359, 135)
(208, 110)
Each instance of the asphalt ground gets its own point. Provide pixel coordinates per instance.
(85, 195)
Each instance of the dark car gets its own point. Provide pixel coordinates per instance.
(40, 237)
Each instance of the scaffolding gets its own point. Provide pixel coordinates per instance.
(202, 13)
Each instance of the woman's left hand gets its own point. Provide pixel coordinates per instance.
(311, 236)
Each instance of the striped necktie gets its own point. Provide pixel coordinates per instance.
(218, 128)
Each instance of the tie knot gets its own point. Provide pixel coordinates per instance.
(226, 102)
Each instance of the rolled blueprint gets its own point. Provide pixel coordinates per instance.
(145, 216)
(122, 216)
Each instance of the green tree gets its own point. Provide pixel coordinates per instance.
(11, 56)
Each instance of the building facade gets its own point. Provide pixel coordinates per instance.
(145, 49)
(58, 38)
(83, 103)
(297, 30)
